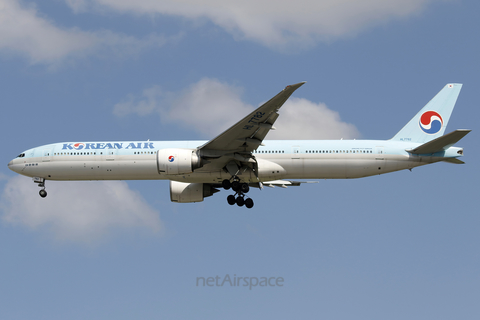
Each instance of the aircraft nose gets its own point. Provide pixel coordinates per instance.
(11, 166)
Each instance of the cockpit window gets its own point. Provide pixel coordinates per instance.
(21, 155)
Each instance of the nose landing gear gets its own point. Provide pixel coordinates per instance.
(41, 184)
(240, 189)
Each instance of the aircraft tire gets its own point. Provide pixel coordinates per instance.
(249, 203)
(240, 201)
(226, 184)
(235, 186)
(231, 200)
(244, 187)
(42, 193)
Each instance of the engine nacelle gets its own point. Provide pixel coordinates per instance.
(183, 192)
(177, 161)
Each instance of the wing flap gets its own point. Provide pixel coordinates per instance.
(285, 183)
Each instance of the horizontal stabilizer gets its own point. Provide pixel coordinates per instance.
(454, 161)
(441, 143)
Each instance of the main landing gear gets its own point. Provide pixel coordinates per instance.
(41, 184)
(240, 189)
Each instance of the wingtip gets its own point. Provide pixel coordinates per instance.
(295, 86)
(453, 84)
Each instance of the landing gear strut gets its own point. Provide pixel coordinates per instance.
(41, 184)
(240, 189)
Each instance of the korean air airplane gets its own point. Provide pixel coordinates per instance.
(240, 158)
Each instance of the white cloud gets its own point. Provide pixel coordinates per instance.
(78, 5)
(304, 119)
(24, 31)
(147, 104)
(275, 23)
(84, 212)
(210, 107)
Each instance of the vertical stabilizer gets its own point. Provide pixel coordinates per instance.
(431, 122)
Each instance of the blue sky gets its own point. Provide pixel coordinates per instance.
(396, 246)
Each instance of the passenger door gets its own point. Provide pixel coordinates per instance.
(47, 155)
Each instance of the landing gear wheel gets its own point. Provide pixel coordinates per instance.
(42, 193)
(240, 201)
(226, 184)
(235, 186)
(240, 188)
(231, 199)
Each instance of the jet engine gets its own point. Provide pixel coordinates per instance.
(177, 161)
(190, 192)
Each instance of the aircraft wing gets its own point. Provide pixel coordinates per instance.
(285, 183)
(270, 184)
(247, 134)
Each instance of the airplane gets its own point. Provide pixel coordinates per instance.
(241, 158)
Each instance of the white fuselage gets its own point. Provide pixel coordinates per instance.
(278, 159)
